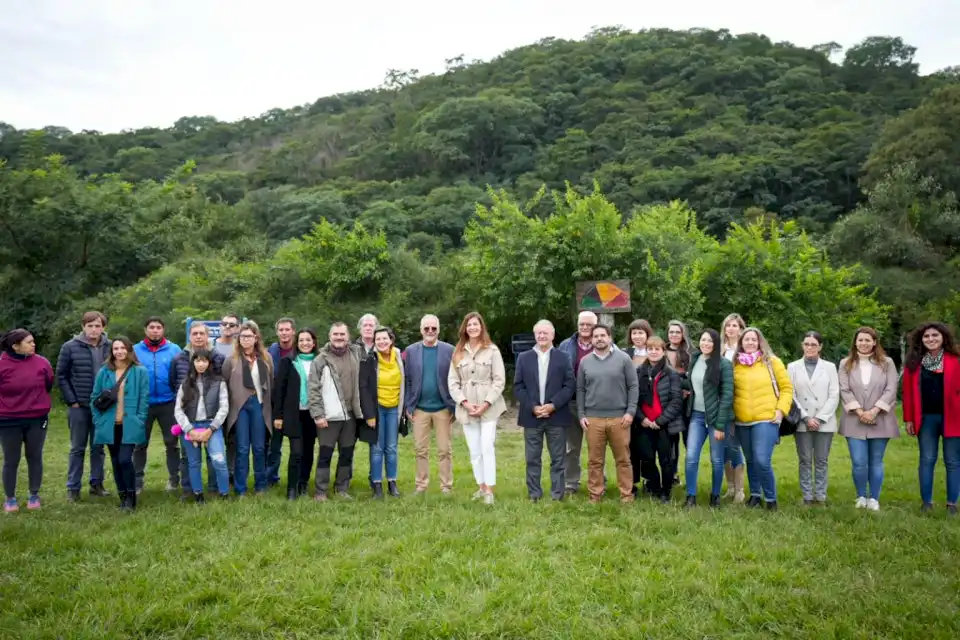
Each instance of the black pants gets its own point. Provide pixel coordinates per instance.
(342, 434)
(295, 462)
(121, 457)
(176, 459)
(29, 435)
(654, 444)
(309, 436)
(556, 438)
(274, 455)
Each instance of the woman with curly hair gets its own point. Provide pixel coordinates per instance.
(931, 406)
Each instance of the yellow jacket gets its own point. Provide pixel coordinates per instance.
(753, 397)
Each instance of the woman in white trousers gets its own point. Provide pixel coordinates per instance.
(476, 380)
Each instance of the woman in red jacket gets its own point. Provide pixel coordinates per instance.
(931, 406)
(25, 383)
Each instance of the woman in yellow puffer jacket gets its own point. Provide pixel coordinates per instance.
(758, 411)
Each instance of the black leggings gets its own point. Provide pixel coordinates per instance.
(121, 455)
(301, 459)
(28, 434)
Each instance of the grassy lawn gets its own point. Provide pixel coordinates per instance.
(448, 567)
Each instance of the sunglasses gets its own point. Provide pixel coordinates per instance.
(229, 325)
(431, 329)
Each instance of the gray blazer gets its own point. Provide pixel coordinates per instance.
(880, 392)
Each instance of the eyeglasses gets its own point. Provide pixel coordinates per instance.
(430, 329)
(229, 325)
(245, 337)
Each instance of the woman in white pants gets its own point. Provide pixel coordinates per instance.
(476, 380)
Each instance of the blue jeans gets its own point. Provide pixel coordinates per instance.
(732, 452)
(931, 430)
(758, 441)
(250, 430)
(697, 434)
(216, 456)
(866, 457)
(388, 426)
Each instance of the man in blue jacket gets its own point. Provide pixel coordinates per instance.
(428, 403)
(543, 386)
(77, 366)
(157, 354)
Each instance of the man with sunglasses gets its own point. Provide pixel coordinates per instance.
(229, 328)
(428, 402)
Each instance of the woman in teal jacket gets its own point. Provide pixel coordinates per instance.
(122, 426)
(710, 381)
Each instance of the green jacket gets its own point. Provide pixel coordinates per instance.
(717, 400)
(136, 389)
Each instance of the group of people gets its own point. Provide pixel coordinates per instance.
(235, 398)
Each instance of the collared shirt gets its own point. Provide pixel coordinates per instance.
(603, 357)
(543, 362)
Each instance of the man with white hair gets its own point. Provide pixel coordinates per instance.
(577, 347)
(367, 326)
(544, 386)
(428, 402)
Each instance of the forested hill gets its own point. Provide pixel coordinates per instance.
(738, 127)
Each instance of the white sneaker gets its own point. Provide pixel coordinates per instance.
(479, 494)
(873, 505)
(861, 503)
(488, 498)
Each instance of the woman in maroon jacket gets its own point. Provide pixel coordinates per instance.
(25, 383)
(931, 406)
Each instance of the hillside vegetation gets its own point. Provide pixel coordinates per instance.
(800, 187)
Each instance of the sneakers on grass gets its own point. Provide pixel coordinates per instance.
(11, 506)
(33, 503)
(861, 503)
(873, 505)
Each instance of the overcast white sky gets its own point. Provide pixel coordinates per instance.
(113, 64)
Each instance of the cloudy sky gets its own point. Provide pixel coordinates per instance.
(114, 64)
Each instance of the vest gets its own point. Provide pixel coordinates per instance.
(211, 400)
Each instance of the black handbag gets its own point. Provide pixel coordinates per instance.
(108, 397)
(790, 422)
(403, 427)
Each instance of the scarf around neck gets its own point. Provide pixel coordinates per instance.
(748, 359)
(302, 363)
(933, 362)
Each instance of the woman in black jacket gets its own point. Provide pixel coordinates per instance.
(661, 405)
(292, 418)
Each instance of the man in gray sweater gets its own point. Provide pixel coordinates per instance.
(607, 391)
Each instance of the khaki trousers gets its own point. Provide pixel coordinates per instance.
(601, 431)
(442, 422)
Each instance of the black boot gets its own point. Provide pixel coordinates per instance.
(715, 501)
(127, 500)
(754, 502)
(691, 502)
(301, 488)
(392, 488)
(98, 490)
(198, 498)
(132, 500)
(377, 490)
(293, 494)
(772, 505)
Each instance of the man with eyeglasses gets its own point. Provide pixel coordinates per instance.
(429, 403)
(577, 347)
(229, 328)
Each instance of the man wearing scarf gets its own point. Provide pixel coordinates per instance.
(334, 401)
(157, 354)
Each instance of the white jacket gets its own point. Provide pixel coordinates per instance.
(818, 396)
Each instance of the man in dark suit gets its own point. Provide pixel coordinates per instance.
(544, 386)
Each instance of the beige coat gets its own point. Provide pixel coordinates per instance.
(817, 395)
(233, 375)
(881, 392)
(478, 377)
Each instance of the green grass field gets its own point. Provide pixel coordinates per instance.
(447, 567)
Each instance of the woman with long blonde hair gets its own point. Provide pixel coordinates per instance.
(476, 380)
(249, 376)
(733, 470)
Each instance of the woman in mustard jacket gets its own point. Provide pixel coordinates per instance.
(762, 395)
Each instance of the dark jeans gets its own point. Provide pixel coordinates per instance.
(274, 456)
(121, 456)
(556, 437)
(654, 444)
(342, 434)
(29, 434)
(251, 433)
(176, 459)
(80, 422)
(295, 462)
(309, 446)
